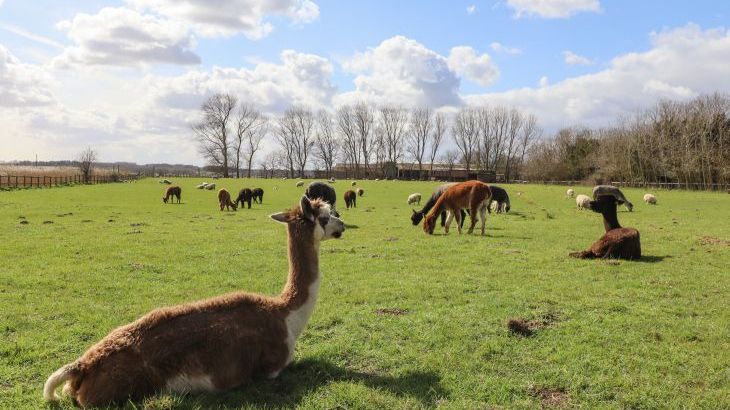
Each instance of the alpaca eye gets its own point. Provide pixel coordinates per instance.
(323, 221)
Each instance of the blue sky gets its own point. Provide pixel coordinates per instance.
(590, 55)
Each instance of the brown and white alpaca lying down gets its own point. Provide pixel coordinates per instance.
(617, 242)
(210, 345)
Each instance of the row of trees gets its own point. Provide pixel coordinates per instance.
(368, 140)
(684, 142)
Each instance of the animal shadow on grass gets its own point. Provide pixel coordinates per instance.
(307, 376)
(651, 258)
(348, 226)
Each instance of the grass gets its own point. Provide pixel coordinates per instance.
(404, 320)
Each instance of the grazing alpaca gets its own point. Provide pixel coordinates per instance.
(583, 201)
(258, 195)
(570, 193)
(474, 195)
(353, 183)
(224, 199)
(210, 345)
(650, 199)
(300, 184)
(350, 199)
(414, 199)
(500, 198)
(617, 242)
(172, 191)
(419, 215)
(360, 192)
(320, 190)
(599, 190)
(244, 195)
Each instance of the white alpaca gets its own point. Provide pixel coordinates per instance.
(650, 199)
(300, 184)
(570, 193)
(583, 201)
(414, 199)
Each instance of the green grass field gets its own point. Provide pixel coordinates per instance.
(404, 320)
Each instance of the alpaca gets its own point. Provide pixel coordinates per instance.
(258, 195)
(324, 192)
(583, 201)
(650, 199)
(350, 199)
(224, 199)
(165, 181)
(172, 191)
(300, 184)
(201, 185)
(360, 192)
(210, 345)
(570, 193)
(210, 187)
(417, 216)
(474, 195)
(599, 190)
(617, 242)
(244, 195)
(353, 183)
(500, 198)
(414, 199)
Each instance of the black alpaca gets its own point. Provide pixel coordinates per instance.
(617, 242)
(500, 196)
(324, 192)
(258, 195)
(244, 195)
(419, 215)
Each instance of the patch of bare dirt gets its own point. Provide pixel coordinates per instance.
(549, 397)
(391, 311)
(527, 328)
(711, 240)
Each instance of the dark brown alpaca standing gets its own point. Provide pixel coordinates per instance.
(173, 191)
(258, 195)
(244, 195)
(617, 242)
(211, 345)
(224, 200)
(350, 199)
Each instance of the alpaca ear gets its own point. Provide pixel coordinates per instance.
(307, 210)
(280, 217)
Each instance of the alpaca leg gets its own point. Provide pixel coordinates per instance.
(449, 217)
(463, 217)
(473, 213)
(443, 219)
(483, 216)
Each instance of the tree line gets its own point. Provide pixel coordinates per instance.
(367, 140)
(672, 142)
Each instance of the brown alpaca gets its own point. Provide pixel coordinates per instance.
(224, 199)
(210, 345)
(360, 192)
(350, 199)
(472, 195)
(172, 191)
(617, 242)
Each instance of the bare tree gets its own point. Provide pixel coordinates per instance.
(392, 122)
(86, 160)
(350, 142)
(253, 137)
(516, 123)
(465, 134)
(440, 125)
(273, 161)
(530, 132)
(326, 144)
(246, 118)
(296, 128)
(420, 130)
(451, 158)
(212, 131)
(364, 117)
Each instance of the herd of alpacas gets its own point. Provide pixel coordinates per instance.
(224, 342)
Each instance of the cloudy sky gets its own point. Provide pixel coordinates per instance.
(127, 77)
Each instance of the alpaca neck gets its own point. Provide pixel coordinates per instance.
(303, 281)
(610, 220)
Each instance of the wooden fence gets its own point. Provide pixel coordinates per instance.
(651, 185)
(22, 181)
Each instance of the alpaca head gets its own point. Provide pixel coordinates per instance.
(316, 215)
(604, 204)
(164, 199)
(429, 224)
(416, 217)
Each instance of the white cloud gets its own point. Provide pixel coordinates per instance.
(471, 9)
(574, 59)
(226, 18)
(402, 71)
(544, 82)
(464, 61)
(553, 8)
(683, 62)
(23, 85)
(120, 36)
(501, 48)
